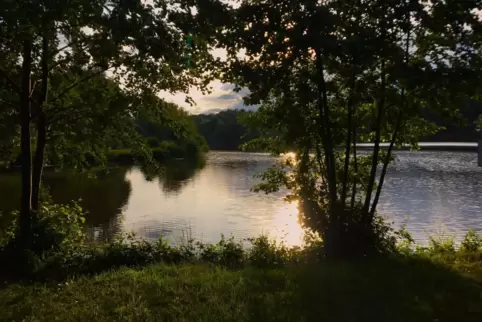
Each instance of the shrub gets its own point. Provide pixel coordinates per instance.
(266, 252)
(8, 224)
(405, 241)
(472, 241)
(441, 245)
(58, 226)
(226, 252)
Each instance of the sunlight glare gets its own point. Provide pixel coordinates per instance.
(286, 226)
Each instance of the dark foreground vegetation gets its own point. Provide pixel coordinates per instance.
(139, 281)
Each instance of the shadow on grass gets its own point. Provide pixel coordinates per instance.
(375, 290)
(370, 290)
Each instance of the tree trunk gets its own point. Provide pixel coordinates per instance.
(376, 149)
(41, 128)
(348, 141)
(385, 164)
(397, 126)
(325, 131)
(38, 163)
(25, 220)
(355, 169)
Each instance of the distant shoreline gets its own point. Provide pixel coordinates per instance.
(430, 146)
(424, 146)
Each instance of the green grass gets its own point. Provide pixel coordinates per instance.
(413, 289)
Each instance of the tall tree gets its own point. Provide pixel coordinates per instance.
(141, 46)
(333, 73)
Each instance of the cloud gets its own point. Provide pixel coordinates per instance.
(228, 96)
(221, 98)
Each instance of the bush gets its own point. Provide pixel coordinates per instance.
(8, 224)
(59, 227)
(226, 252)
(472, 242)
(266, 252)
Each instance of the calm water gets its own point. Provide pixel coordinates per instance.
(430, 190)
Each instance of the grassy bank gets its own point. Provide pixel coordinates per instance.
(133, 280)
(402, 289)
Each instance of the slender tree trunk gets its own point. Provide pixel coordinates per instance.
(325, 131)
(41, 128)
(397, 126)
(38, 161)
(25, 224)
(348, 142)
(333, 246)
(376, 149)
(355, 169)
(385, 164)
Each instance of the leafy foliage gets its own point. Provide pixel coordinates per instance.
(223, 130)
(98, 64)
(472, 241)
(333, 73)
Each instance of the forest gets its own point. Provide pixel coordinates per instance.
(226, 130)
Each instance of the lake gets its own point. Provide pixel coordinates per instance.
(431, 191)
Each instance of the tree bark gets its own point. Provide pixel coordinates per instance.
(325, 131)
(348, 142)
(385, 164)
(376, 149)
(355, 168)
(41, 128)
(25, 220)
(397, 126)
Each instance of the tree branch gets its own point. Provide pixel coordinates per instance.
(71, 86)
(54, 53)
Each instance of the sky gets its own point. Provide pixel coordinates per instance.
(222, 96)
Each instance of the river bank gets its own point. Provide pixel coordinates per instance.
(134, 280)
(402, 289)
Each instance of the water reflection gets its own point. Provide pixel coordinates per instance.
(104, 196)
(215, 200)
(434, 189)
(182, 201)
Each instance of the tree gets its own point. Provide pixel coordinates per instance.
(223, 131)
(51, 47)
(333, 73)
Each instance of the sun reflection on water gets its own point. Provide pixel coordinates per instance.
(286, 226)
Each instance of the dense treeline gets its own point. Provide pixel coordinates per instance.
(460, 128)
(172, 133)
(227, 131)
(224, 130)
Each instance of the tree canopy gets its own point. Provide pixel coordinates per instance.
(76, 72)
(333, 73)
